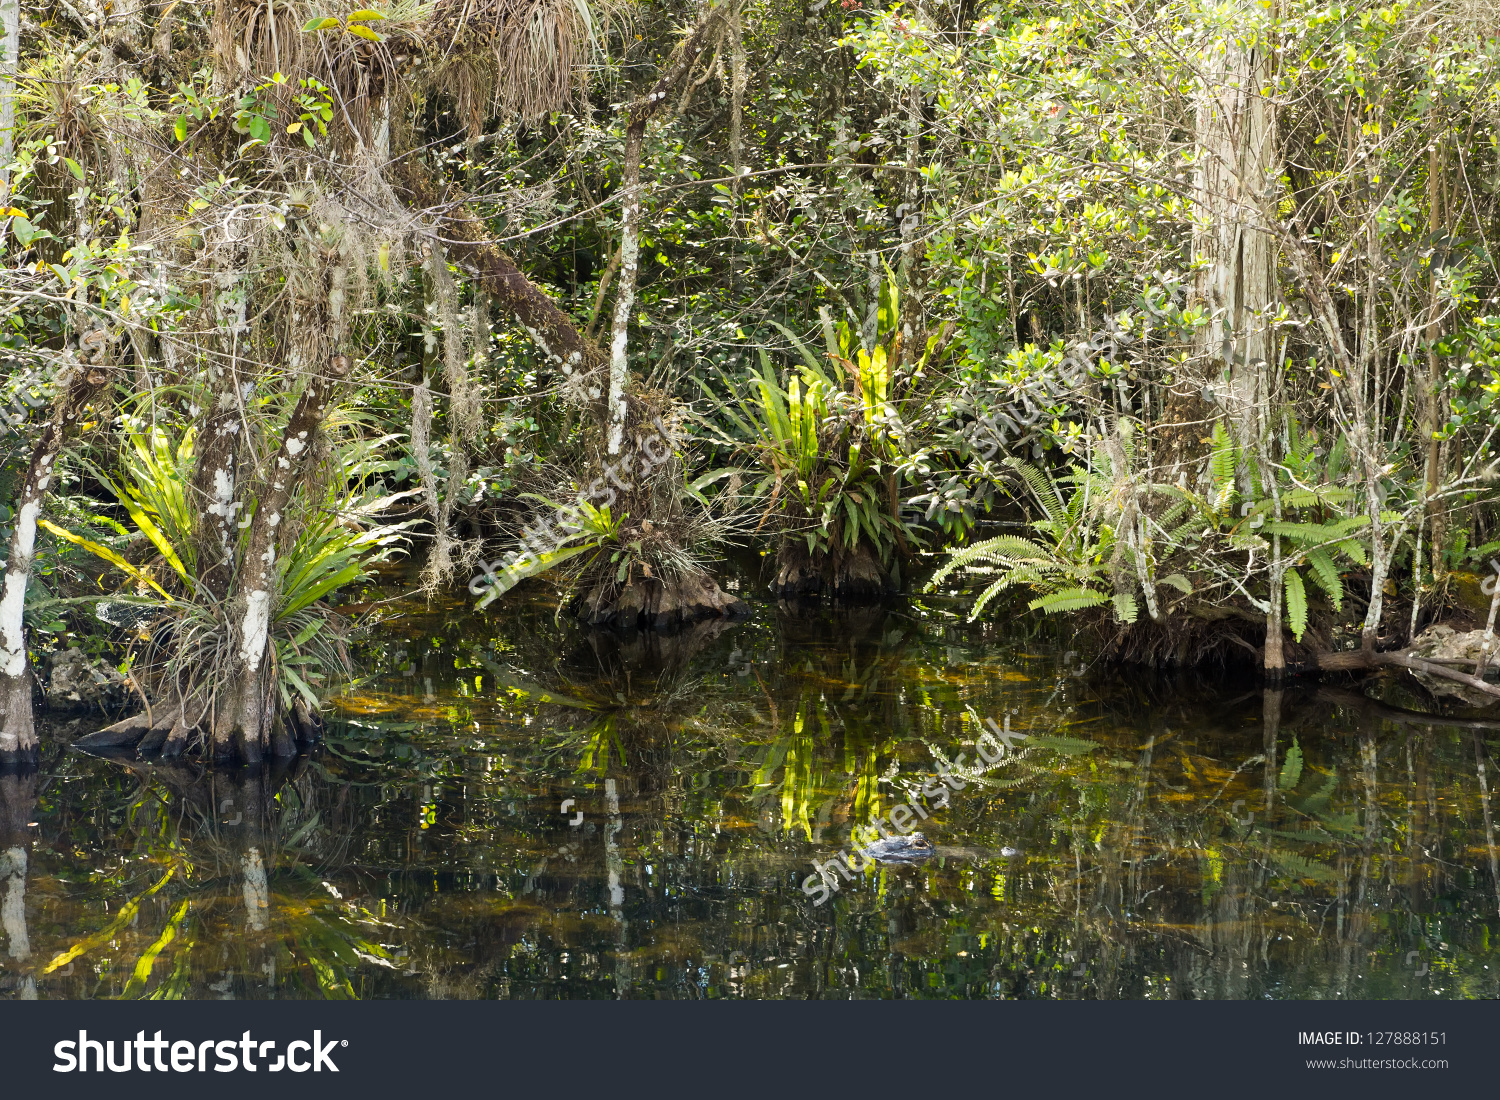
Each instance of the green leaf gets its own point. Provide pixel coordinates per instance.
(179, 129)
(305, 635)
(319, 23)
(75, 168)
(1179, 582)
(364, 15)
(1125, 607)
(151, 531)
(1296, 603)
(346, 575)
(1291, 769)
(301, 685)
(531, 565)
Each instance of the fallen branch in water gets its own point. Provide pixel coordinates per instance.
(1356, 659)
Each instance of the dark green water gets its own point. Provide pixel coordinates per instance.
(1172, 838)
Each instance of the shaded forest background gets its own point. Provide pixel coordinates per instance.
(1176, 319)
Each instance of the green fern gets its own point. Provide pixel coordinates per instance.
(1069, 599)
(1291, 768)
(1326, 576)
(1222, 461)
(1296, 603)
(1067, 746)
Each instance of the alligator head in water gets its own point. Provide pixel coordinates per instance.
(900, 849)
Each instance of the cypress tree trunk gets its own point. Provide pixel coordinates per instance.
(639, 113)
(18, 744)
(245, 710)
(216, 478)
(1236, 126)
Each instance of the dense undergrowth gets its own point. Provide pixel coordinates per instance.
(1175, 319)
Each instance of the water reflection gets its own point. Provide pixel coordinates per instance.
(1176, 838)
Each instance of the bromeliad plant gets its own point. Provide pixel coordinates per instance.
(183, 636)
(585, 529)
(830, 451)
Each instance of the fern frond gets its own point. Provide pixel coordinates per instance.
(1068, 599)
(1326, 576)
(1041, 487)
(1296, 603)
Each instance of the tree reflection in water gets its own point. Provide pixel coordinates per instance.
(1178, 838)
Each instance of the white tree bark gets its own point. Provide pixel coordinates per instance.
(17, 731)
(630, 250)
(10, 20)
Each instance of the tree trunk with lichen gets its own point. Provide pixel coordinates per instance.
(244, 712)
(1236, 283)
(18, 743)
(216, 477)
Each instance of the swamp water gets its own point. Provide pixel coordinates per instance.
(509, 808)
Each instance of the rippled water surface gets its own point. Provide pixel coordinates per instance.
(508, 808)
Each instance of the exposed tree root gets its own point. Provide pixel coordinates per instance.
(853, 575)
(1230, 635)
(165, 734)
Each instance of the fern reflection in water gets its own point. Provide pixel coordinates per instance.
(1177, 838)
